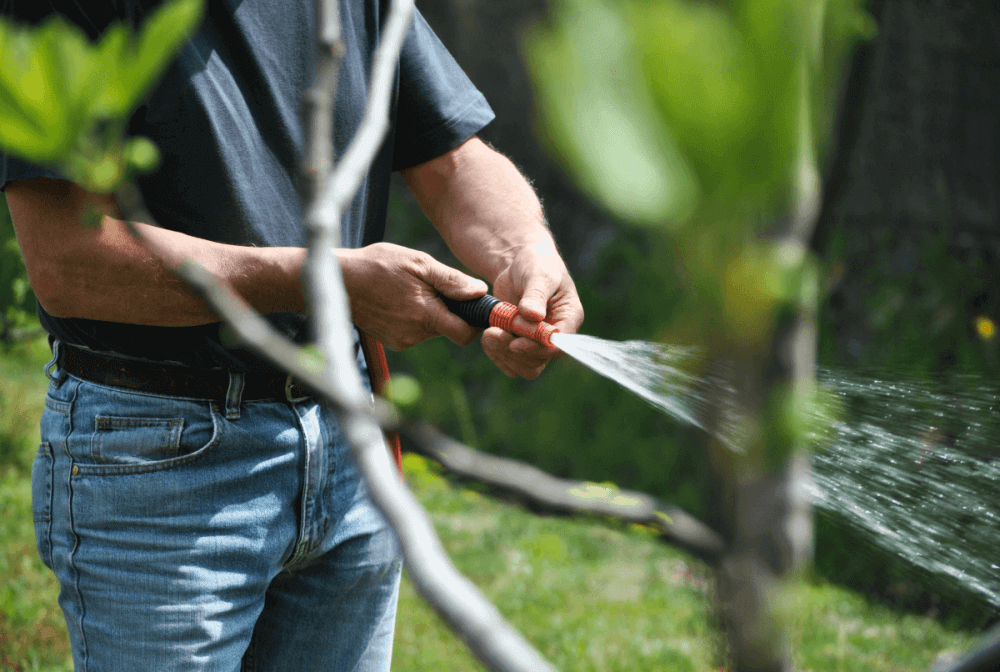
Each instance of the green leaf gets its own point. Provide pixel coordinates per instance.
(34, 99)
(597, 115)
(113, 97)
(162, 35)
(64, 101)
(310, 358)
(104, 175)
(17, 129)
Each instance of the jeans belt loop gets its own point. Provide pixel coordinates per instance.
(290, 393)
(234, 395)
(52, 370)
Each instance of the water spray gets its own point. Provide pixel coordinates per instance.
(660, 374)
(489, 311)
(892, 492)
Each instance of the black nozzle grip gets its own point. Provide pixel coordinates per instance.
(474, 311)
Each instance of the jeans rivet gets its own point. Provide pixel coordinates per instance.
(76, 470)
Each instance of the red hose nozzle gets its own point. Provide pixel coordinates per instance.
(489, 311)
(507, 317)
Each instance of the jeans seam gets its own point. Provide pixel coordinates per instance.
(70, 566)
(303, 544)
(249, 663)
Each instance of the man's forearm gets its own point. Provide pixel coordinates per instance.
(104, 273)
(492, 220)
(114, 278)
(483, 207)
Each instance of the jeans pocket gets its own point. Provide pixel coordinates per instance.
(128, 444)
(41, 501)
(120, 440)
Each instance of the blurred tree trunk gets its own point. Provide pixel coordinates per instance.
(917, 165)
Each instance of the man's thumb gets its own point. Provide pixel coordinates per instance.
(534, 302)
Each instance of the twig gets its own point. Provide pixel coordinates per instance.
(461, 605)
(323, 214)
(324, 284)
(10, 335)
(457, 600)
(555, 495)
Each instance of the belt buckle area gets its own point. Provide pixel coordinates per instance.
(291, 390)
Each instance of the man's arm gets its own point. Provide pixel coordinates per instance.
(103, 273)
(492, 220)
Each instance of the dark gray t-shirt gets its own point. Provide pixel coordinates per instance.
(226, 120)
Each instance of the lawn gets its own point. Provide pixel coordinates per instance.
(591, 594)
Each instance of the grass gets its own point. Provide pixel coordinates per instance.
(32, 630)
(590, 594)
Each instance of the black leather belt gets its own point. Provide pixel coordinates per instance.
(174, 380)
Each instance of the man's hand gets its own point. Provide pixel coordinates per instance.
(537, 282)
(393, 292)
(491, 219)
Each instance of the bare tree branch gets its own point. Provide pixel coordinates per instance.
(554, 495)
(334, 376)
(10, 335)
(331, 310)
(318, 103)
(466, 610)
(324, 284)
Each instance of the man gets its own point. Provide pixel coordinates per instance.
(198, 513)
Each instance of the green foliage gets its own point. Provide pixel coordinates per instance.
(403, 391)
(726, 107)
(600, 119)
(64, 101)
(64, 104)
(705, 105)
(17, 301)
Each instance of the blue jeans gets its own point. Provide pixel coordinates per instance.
(192, 535)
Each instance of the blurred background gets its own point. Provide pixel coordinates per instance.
(908, 247)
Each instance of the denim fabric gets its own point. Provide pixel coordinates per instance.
(186, 540)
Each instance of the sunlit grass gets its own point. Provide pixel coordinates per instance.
(594, 595)
(590, 594)
(32, 629)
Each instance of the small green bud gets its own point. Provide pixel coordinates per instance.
(403, 391)
(142, 155)
(311, 359)
(104, 175)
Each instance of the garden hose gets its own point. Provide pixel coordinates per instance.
(489, 311)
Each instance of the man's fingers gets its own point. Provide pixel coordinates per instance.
(500, 347)
(442, 321)
(495, 342)
(452, 282)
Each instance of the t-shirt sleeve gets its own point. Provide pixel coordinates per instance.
(12, 169)
(438, 107)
